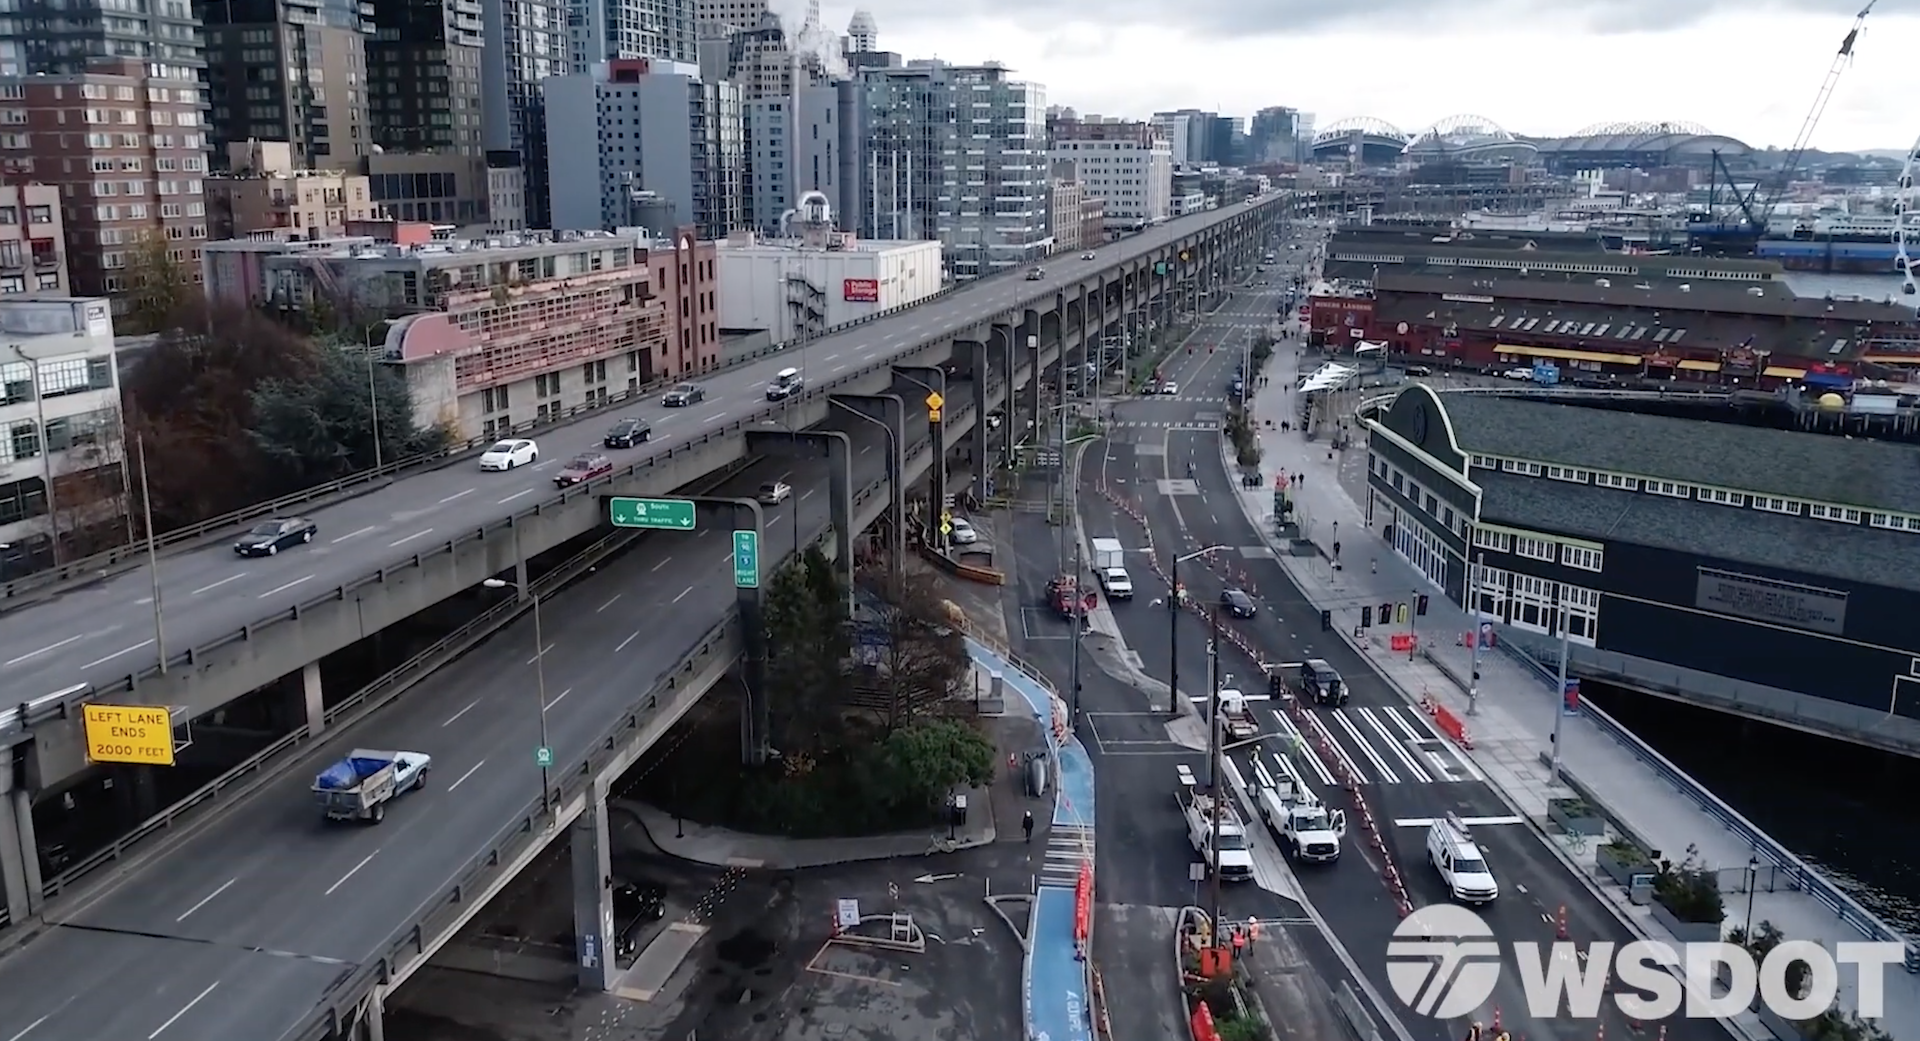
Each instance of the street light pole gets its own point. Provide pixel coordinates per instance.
(1173, 626)
(373, 399)
(540, 684)
(1213, 760)
(1473, 613)
(153, 555)
(1560, 687)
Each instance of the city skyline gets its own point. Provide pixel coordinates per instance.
(1756, 74)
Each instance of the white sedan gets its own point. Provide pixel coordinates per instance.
(1169, 388)
(963, 533)
(506, 455)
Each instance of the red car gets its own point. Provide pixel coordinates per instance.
(582, 468)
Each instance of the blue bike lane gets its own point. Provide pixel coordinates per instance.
(1055, 983)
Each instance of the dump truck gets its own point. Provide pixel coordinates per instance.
(359, 786)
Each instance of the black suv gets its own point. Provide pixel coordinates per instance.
(1237, 603)
(628, 433)
(1321, 684)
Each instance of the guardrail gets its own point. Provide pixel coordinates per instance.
(1797, 873)
(133, 554)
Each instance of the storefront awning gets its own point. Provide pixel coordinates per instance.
(1699, 366)
(1570, 355)
(1893, 359)
(1780, 372)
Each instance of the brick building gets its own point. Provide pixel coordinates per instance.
(685, 276)
(127, 152)
(33, 255)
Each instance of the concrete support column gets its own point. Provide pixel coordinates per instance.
(888, 411)
(1005, 337)
(837, 448)
(13, 871)
(29, 847)
(920, 383)
(756, 727)
(593, 929)
(314, 696)
(1030, 342)
(982, 452)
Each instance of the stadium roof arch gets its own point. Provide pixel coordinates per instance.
(1469, 138)
(1656, 143)
(1380, 141)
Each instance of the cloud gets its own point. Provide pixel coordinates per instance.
(1232, 19)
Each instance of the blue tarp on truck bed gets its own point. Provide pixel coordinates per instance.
(349, 772)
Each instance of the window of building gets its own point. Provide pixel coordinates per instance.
(1772, 504)
(1722, 496)
(1532, 603)
(1582, 608)
(1840, 514)
(493, 399)
(1568, 473)
(546, 385)
(1671, 488)
(1894, 522)
(1497, 541)
(1491, 590)
(1536, 549)
(1582, 557)
(1629, 484)
(1516, 466)
(1483, 461)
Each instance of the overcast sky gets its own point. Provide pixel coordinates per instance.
(1743, 68)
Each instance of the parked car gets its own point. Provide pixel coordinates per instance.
(269, 537)
(773, 493)
(628, 433)
(1237, 603)
(582, 468)
(505, 455)
(634, 908)
(683, 395)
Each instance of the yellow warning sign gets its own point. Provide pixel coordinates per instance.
(934, 404)
(140, 734)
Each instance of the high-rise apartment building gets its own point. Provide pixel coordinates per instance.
(1127, 165)
(33, 248)
(1273, 136)
(263, 190)
(721, 18)
(863, 35)
(279, 72)
(63, 38)
(956, 153)
(636, 126)
(1198, 137)
(604, 30)
(789, 114)
(1063, 211)
(128, 152)
(423, 77)
(526, 42)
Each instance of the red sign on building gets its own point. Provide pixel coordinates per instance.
(861, 290)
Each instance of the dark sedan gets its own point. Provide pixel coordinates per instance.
(582, 468)
(270, 537)
(627, 433)
(1237, 603)
(683, 395)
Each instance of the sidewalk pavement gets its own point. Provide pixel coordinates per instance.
(1512, 724)
(720, 847)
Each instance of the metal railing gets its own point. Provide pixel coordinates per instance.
(19, 591)
(1796, 873)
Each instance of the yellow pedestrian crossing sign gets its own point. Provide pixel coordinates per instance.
(934, 404)
(946, 522)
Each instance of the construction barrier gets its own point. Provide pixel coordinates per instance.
(1402, 643)
(971, 572)
(1083, 908)
(1452, 726)
(1202, 1023)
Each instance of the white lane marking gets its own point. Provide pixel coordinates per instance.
(562, 697)
(118, 653)
(715, 417)
(1386, 772)
(284, 588)
(832, 356)
(628, 640)
(684, 592)
(784, 476)
(351, 535)
(541, 654)
(515, 495)
(205, 900)
(807, 494)
(1325, 739)
(1395, 745)
(352, 872)
(418, 534)
(1319, 768)
(1471, 822)
(184, 1009)
(608, 604)
(456, 495)
(31, 1027)
(663, 563)
(471, 770)
(729, 554)
(866, 449)
(43, 650)
(215, 585)
(542, 466)
(455, 718)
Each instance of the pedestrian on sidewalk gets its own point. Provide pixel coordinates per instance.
(1026, 825)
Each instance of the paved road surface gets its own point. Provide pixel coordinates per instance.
(1408, 771)
(107, 630)
(239, 931)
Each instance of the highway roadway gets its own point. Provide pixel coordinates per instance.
(106, 630)
(1409, 772)
(236, 934)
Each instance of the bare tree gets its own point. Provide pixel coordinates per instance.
(921, 656)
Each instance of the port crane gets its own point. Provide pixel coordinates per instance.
(1722, 233)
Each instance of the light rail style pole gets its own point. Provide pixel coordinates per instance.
(897, 543)
(1173, 625)
(540, 685)
(1474, 571)
(1560, 687)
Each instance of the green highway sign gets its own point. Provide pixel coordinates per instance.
(543, 757)
(671, 514)
(746, 560)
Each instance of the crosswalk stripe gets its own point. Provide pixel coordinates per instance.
(1376, 744)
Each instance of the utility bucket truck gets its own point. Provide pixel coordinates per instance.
(1216, 831)
(1237, 722)
(1306, 828)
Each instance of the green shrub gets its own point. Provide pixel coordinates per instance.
(1690, 892)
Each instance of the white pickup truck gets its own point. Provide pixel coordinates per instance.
(1228, 855)
(1306, 828)
(1236, 715)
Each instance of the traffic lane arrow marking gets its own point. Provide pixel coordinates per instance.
(926, 879)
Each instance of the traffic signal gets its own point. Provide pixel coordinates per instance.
(1420, 605)
(1386, 614)
(1326, 621)
(1366, 616)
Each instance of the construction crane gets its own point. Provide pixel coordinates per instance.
(1721, 233)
